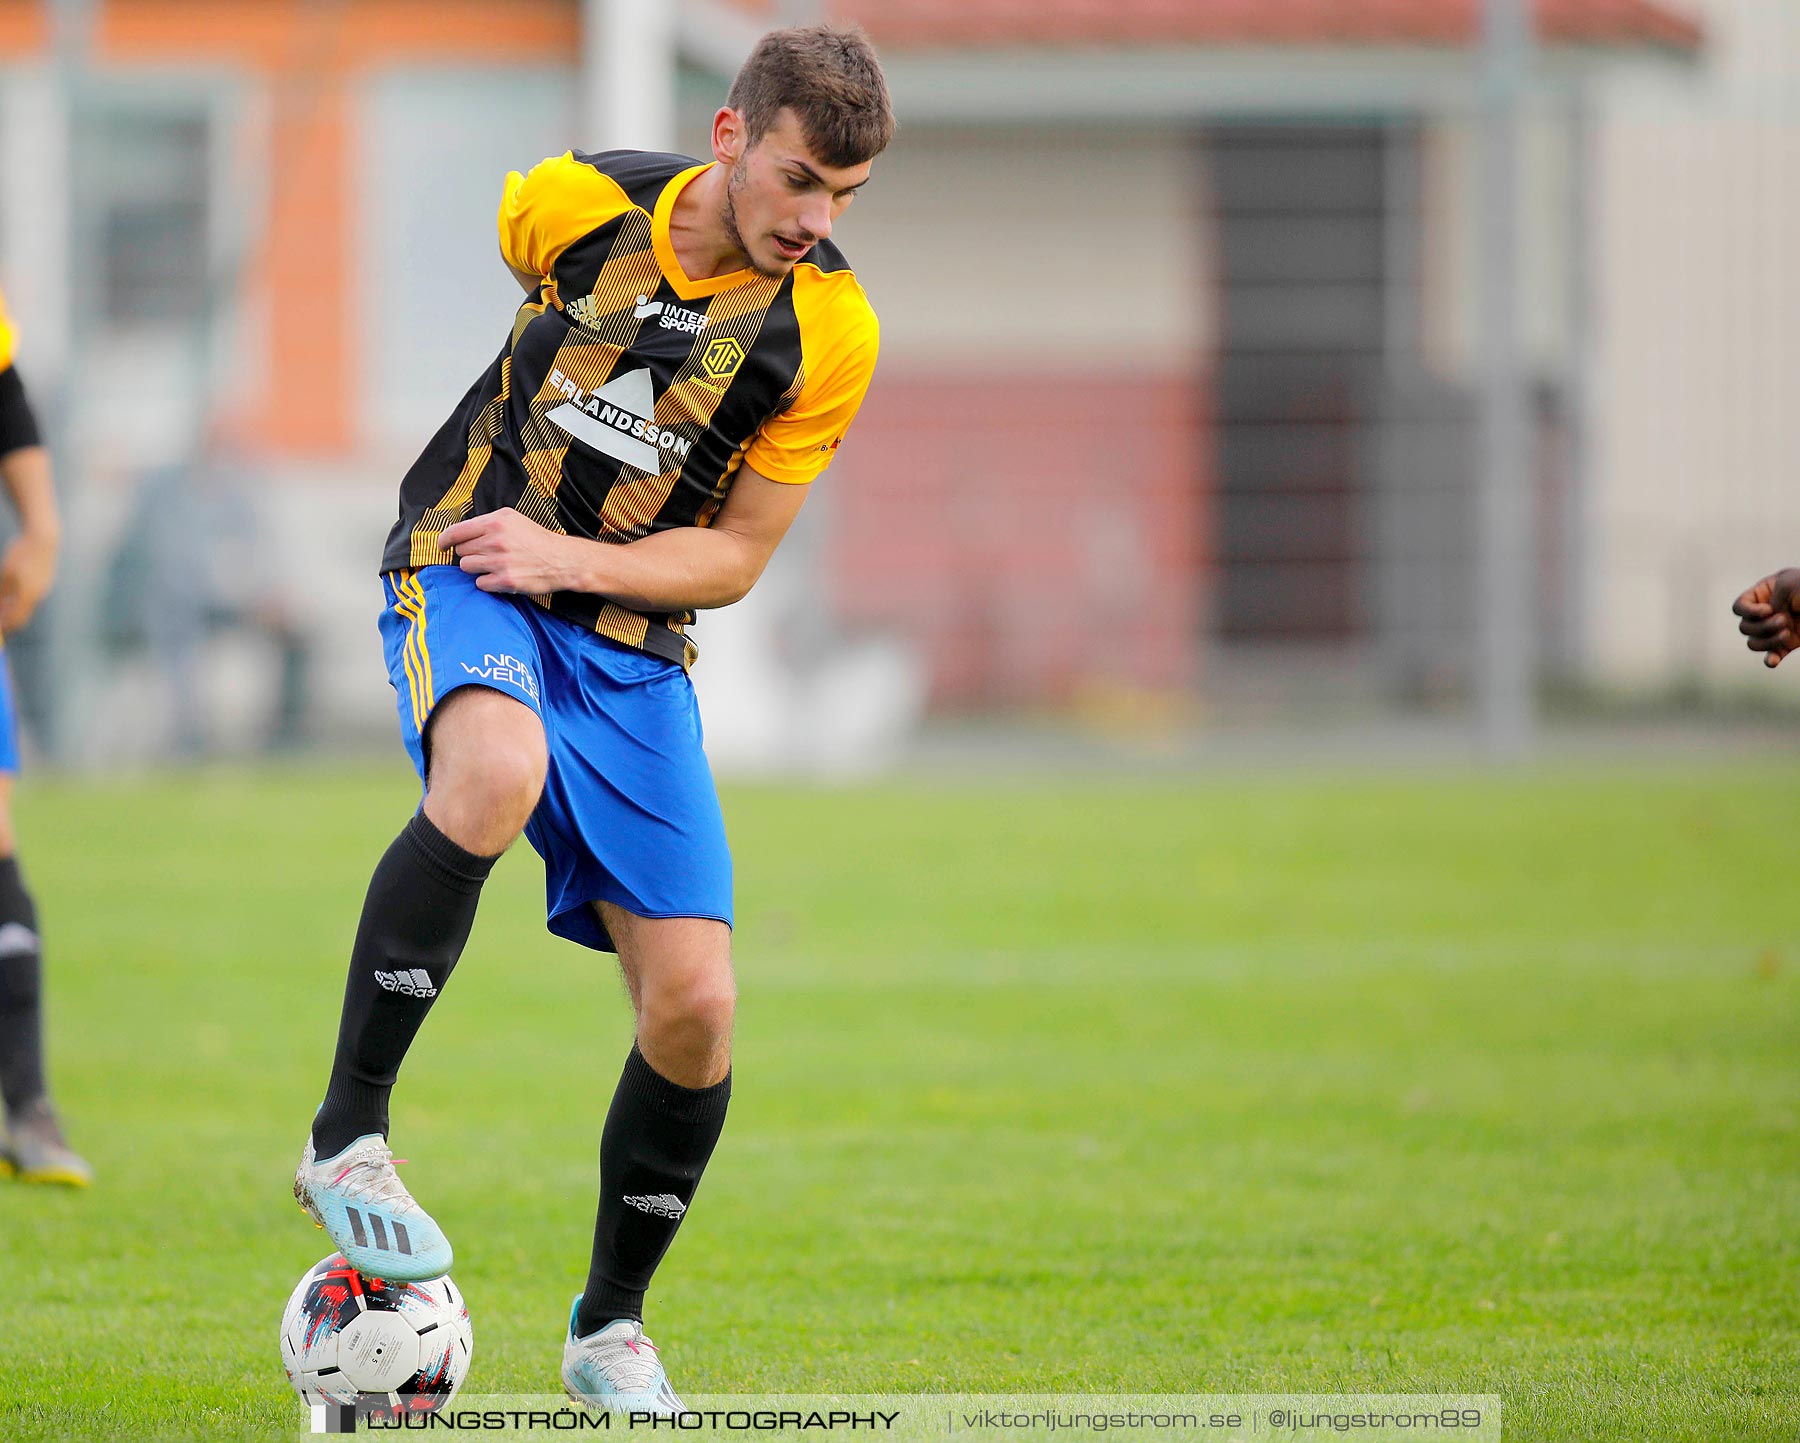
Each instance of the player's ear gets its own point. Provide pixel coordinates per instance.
(728, 135)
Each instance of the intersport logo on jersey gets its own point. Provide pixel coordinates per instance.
(670, 317)
(617, 420)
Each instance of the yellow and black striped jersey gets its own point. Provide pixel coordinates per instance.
(627, 396)
(18, 426)
(8, 336)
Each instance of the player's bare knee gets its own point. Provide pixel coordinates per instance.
(509, 778)
(709, 1008)
(686, 1002)
(691, 1015)
(486, 772)
(489, 799)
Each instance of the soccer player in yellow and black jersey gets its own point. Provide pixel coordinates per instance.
(34, 1149)
(690, 352)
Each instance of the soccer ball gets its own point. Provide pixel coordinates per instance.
(384, 1348)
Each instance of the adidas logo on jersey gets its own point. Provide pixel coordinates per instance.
(674, 318)
(662, 1205)
(408, 982)
(616, 419)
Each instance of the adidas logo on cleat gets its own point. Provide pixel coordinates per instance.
(401, 1243)
(662, 1205)
(408, 982)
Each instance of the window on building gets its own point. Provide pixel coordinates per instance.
(143, 187)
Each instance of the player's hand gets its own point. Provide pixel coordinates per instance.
(1770, 613)
(507, 551)
(26, 571)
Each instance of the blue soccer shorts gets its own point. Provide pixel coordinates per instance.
(9, 722)
(629, 813)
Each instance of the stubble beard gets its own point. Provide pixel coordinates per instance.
(733, 184)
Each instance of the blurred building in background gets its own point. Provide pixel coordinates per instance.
(1175, 413)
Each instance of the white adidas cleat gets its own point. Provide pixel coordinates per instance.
(617, 1370)
(358, 1198)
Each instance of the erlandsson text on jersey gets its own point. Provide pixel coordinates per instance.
(616, 419)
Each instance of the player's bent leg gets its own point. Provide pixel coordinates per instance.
(665, 1120)
(486, 769)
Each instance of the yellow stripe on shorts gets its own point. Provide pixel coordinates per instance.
(404, 606)
(420, 648)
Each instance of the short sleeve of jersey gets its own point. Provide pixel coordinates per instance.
(556, 204)
(839, 339)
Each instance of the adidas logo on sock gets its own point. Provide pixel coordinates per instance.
(662, 1205)
(408, 982)
(17, 940)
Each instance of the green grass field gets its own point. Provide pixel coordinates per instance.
(1420, 1083)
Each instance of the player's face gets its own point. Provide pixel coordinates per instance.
(782, 200)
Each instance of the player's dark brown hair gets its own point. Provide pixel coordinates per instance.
(829, 77)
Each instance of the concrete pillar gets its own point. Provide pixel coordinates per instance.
(628, 60)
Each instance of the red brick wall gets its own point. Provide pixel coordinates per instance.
(1038, 537)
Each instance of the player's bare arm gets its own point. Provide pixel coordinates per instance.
(685, 568)
(29, 565)
(1769, 615)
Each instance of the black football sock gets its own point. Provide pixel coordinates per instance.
(415, 920)
(656, 1143)
(21, 994)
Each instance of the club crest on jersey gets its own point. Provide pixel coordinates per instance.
(617, 420)
(721, 358)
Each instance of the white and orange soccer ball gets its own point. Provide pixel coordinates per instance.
(381, 1347)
